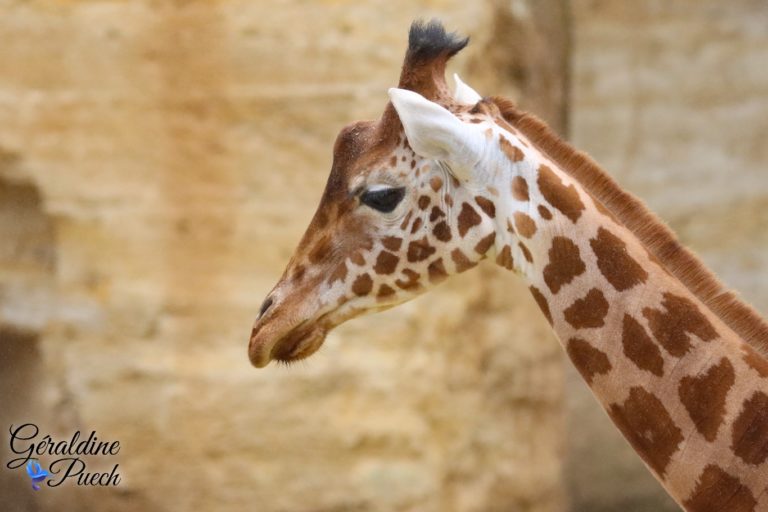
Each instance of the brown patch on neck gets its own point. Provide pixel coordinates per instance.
(468, 218)
(588, 360)
(486, 205)
(562, 197)
(680, 318)
(718, 490)
(648, 427)
(505, 259)
(524, 225)
(564, 265)
(588, 311)
(704, 397)
(640, 348)
(520, 188)
(514, 153)
(615, 263)
(750, 430)
(649, 230)
(757, 363)
(541, 300)
(526, 253)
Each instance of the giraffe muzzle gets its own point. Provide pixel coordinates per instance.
(272, 340)
(278, 334)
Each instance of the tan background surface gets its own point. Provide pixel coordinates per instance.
(672, 98)
(159, 161)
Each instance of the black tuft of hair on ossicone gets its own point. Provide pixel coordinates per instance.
(423, 71)
(427, 41)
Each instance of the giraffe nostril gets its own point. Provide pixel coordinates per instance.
(265, 306)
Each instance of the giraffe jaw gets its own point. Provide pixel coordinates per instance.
(303, 339)
(300, 343)
(297, 342)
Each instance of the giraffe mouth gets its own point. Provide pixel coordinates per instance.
(300, 343)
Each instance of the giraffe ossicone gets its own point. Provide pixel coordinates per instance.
(442, 181)
(464, 93)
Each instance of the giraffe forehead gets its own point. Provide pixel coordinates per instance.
(362, 160)
(369, 153)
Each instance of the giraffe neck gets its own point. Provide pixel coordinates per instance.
(686, 392)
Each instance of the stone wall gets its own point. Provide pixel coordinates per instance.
(672, 99)
(175, 152)
(159, 161)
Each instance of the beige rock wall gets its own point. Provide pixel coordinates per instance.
(173, 153)
(159, 161)
(672, 98)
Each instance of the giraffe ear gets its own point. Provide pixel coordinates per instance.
(433, 132)
(464, 93)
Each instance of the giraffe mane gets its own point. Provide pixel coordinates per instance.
(652, 232)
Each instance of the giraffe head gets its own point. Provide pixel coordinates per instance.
(399, 213)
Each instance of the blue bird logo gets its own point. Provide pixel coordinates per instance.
(36, 473)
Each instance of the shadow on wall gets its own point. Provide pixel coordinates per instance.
(27, 260)
(27, 252)
(19, 367)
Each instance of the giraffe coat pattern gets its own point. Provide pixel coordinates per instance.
(678, 363)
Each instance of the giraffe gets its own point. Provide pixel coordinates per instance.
(442, 181)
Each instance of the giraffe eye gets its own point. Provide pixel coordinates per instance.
(384, 200)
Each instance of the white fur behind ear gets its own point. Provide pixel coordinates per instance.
(464, 93)
(433, 132)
